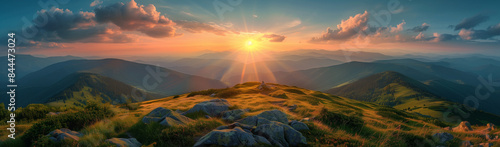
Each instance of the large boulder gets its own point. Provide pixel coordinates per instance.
(280, 134)
(59, 135)
(229, 137)
(254, 121)
(298, 125)
(274, 115)
(212, 107)
(463, 126)
(233, 115)
(124, 142)
(443, 137)
(266, 128)
(165, 117)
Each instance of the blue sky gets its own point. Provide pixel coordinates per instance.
(294, 24)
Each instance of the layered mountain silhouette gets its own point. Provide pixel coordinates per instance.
(150, 78)
(79, 88)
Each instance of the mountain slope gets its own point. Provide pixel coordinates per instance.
(151, 78)
(403, 93)
(79, 88)
(26, 64)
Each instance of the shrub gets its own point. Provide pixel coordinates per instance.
(320, 95)
(176, 96)
(182, 135)
(336, 120)
(92, 113)
(196, 115)
(296, 91)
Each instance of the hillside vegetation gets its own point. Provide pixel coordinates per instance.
(332, 120)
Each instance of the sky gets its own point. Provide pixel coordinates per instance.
(168, 27)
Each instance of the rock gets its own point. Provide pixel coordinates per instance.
(165, 117)
(254, 121)
(233, 115)
(227, 137)
(59, 135)
(263, 86)
(274, 115)
(298, 125)
(124, 142)
(490, 127)
(212, 95)
(280, 134)
(443, 137)
(485, 144)
(292, 107)
(261, 140)
(466, 143)
(179, 111)
(463, 126)
(212, 107)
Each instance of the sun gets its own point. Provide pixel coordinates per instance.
(250, 45)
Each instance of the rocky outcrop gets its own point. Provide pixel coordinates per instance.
(463, 126)
(59, 135)
(443, 137)
(298, 125)
(485, 144)
(466, 143)
(265, 128)
(274, 115)
(124, 142)
(212, 107)
(233, 115)
(165, 117)
(230, 137)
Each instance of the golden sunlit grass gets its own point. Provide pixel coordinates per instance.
(376, 129)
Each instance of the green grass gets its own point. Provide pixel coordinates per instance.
(172, 136)
(339, 120)
(296, 91)
(73, 121)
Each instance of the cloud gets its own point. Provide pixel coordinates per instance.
(58, 25)
(420, 28)
(95, 3)
(255, 16)
(198, 27)
(274, 37)
(398, 28)
(443, 37)
(470, 34)
(134, 17)
(471, 22)
(294, 23)
(347, 29)
(420, 36)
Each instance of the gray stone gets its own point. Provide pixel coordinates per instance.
(466, 143)
(166, 117)
(443, 137)
(124, 142)
(292, 107)
(463, 126)
(485, 144)
(280, 134)
(212, 107)
(274, 115)
(298, 125)
(64, 134)
(227, 137)
(233, 115)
